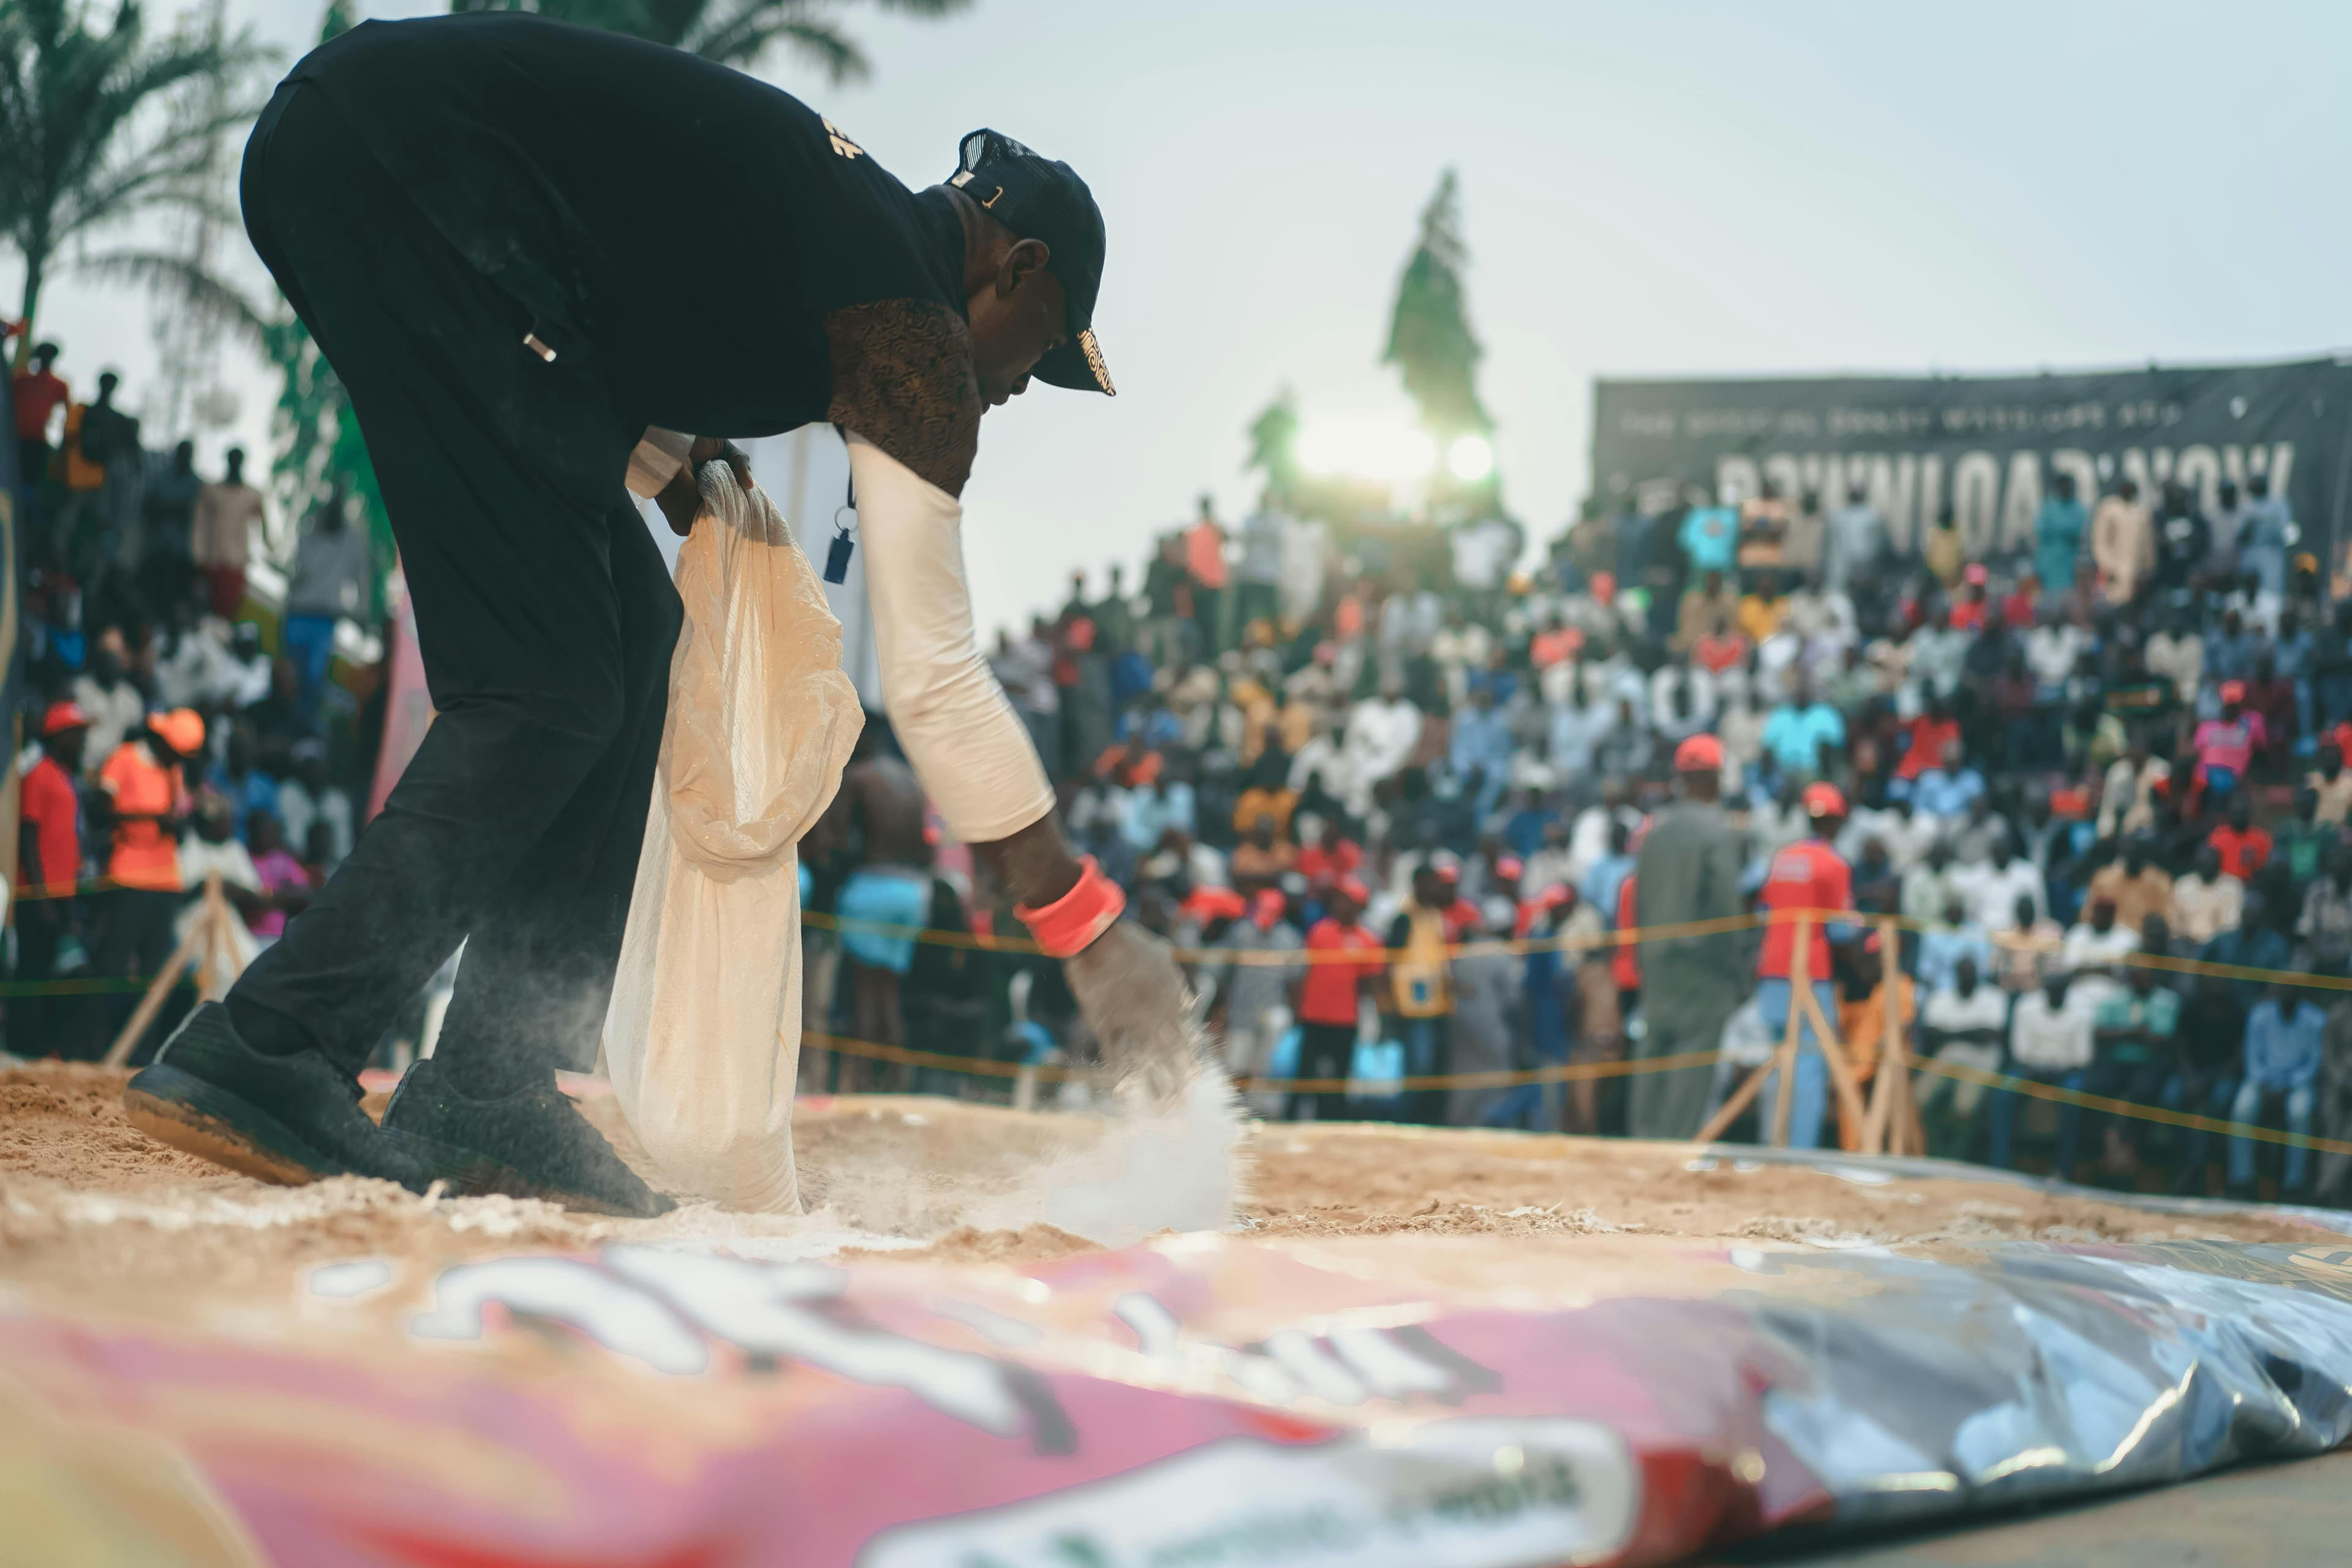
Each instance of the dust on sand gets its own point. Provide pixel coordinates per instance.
(91, 1210)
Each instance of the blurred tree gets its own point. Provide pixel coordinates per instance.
(318, 439)
(1274, 445)
(99, 128)
(1430, 341)
(734, 32)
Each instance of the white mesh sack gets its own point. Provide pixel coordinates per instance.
(703, 1036)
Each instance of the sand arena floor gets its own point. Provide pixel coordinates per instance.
(94, 1214)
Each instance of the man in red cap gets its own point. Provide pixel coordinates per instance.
(1342, 959)
(1806, 876)
(1688, 871)
(48, 865)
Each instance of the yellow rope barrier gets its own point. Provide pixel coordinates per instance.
(2058, 1093)
(1564, 1072)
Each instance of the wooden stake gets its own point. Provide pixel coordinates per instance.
(157, 990)
(1800, 973)
(1832, 1049)
(1720, 1123)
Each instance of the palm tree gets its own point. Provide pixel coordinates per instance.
(103, 127)
(733, 32)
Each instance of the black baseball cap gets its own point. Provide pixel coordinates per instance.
(1044, 199)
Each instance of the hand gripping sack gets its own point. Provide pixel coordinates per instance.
(703, 1036)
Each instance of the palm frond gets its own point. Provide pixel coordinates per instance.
(185, 284)
(741, 37)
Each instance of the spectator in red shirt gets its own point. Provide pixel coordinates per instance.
(2244, 848)
(37, 393)
(1968, 610)
(1332, 858)
(48, 862)
(2023, 605)
(1327, 997)
(1625, 963)
(1808, 877)
(1930, 732)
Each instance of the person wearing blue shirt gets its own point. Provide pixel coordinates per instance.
(1941, 949)
(2252, 944)
(1608, 874)
(2058, 536)
(1156, 807)
(2283, 1038)
(1945, 793)
(1710, 539)
(1523, 830)
(1802, 733)
(1482, 743)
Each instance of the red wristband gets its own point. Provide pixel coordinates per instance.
(1071, 923)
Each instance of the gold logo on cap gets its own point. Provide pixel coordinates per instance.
(1093, 350)
(842, 145)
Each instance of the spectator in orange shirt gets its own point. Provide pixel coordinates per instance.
(2244, 848)
(1204, 559)
(1863, 1021)
(146, 800)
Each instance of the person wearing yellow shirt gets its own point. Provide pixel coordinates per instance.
(1762, 611)
(1420, 992)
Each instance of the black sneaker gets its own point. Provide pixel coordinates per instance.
(532, 1143)
(285, 1118)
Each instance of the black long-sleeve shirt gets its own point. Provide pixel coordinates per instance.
(728, 260)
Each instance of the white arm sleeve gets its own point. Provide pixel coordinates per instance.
(953, 719)
(658, 455)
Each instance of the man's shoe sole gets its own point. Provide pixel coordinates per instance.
(206, 1121)
(473, 1176)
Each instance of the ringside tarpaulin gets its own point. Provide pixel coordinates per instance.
(1401, 1400)
(1989, 446)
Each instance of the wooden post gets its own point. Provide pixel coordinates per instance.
(1832, 1049)
(1783, 1061)
(199, 946)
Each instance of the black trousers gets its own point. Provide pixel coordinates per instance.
(1325, 1051)
(545, 616)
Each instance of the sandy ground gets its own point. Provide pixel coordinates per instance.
(93, 1211)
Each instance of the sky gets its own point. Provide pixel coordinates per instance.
(1675, 187)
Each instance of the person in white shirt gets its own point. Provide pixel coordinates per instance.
(1904, 836)
(1579, 726)
(116, 710)
(2127, 798)
(2052, 649)
(2095, 952)
(1381, 734)
(1994, 885)
(2207, 900)
(2051, 1039)
(309, 796)
(1966, 1023)
(1588, 842)
(1324, 754)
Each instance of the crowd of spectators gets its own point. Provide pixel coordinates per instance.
(179, 723)
(1390, 787)
(2124, 734)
